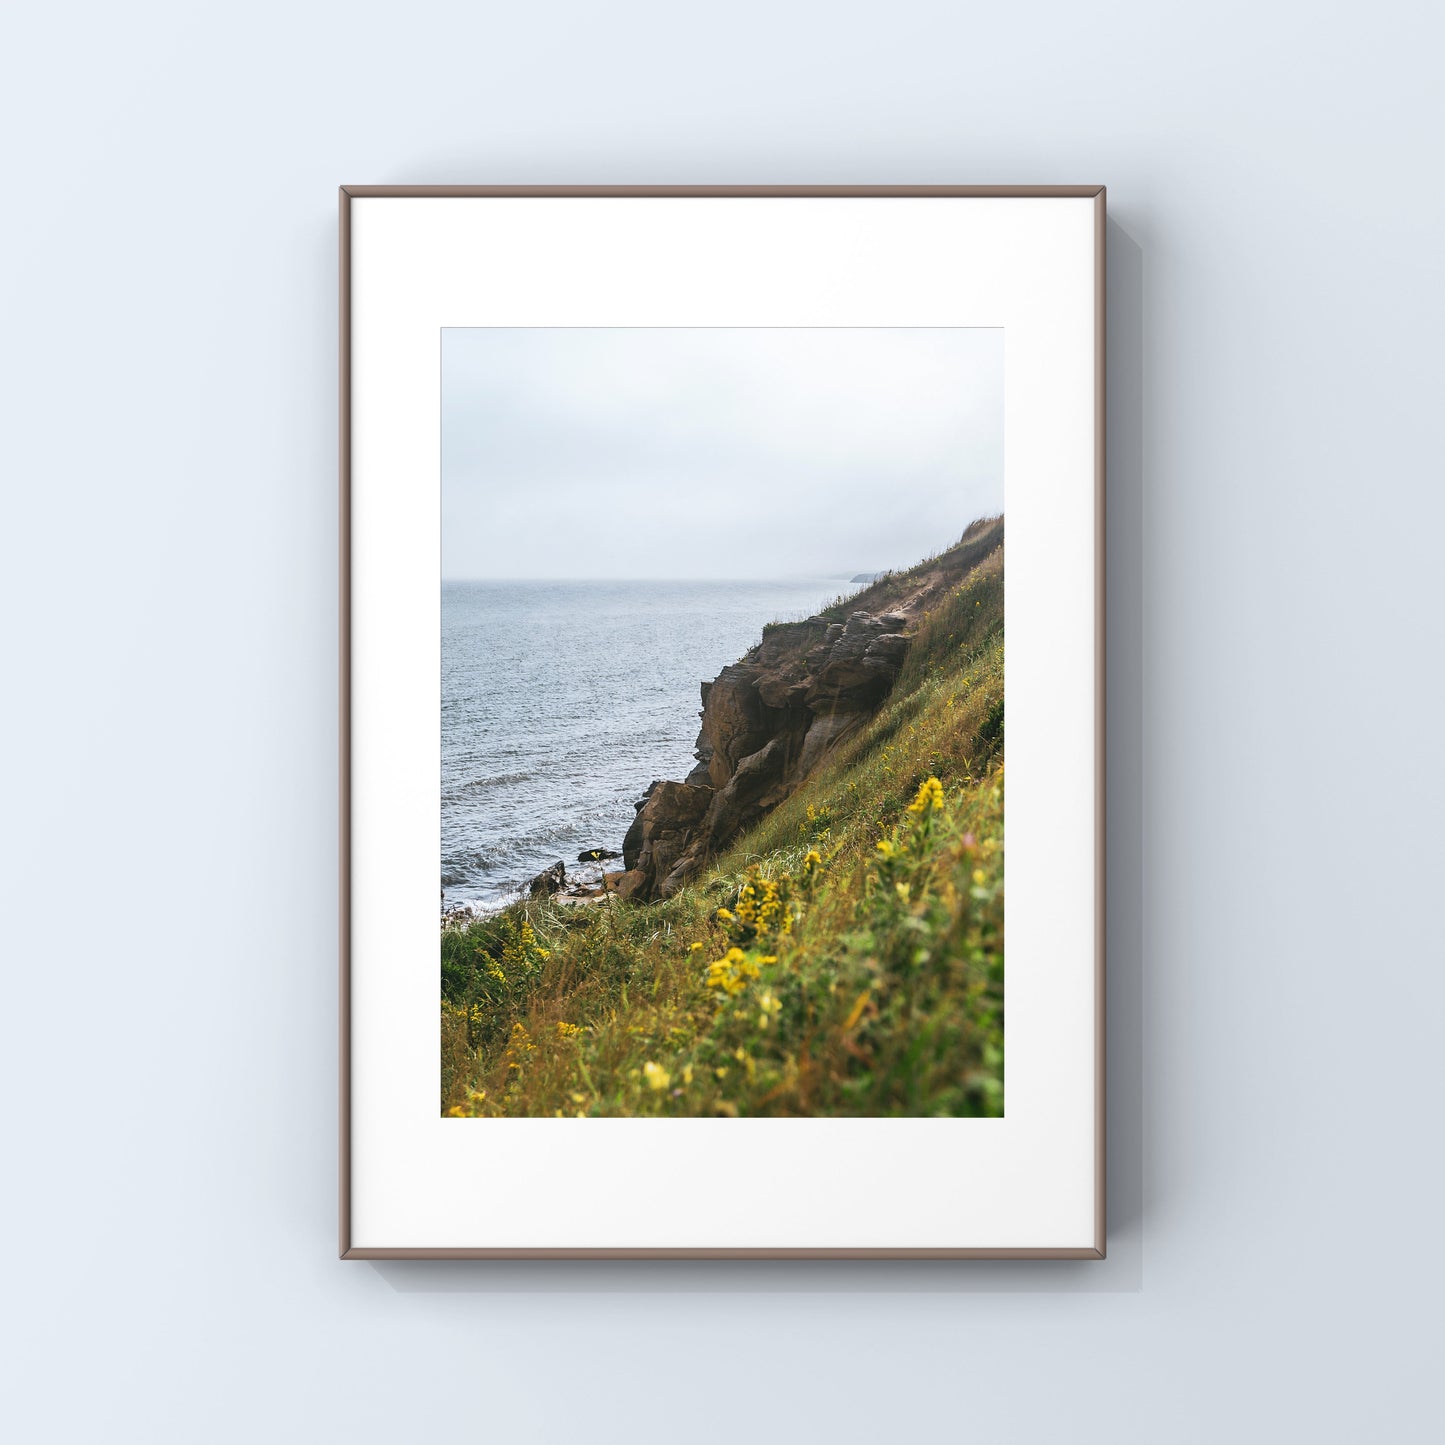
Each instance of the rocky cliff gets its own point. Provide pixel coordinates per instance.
(769, 720)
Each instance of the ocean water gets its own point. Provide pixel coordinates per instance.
(561, 701)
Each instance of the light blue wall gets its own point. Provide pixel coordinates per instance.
(168, 582)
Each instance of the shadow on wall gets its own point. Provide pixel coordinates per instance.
(1123, 1270)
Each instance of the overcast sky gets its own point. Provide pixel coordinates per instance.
(775, 453)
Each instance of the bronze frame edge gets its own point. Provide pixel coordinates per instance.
(346, 194)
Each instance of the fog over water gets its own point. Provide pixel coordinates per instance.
(714, 453)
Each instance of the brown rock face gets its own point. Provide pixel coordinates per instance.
(825, 731)
(769, 720)
(663, 831)
(735, 723)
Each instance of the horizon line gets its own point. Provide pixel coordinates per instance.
(766, 577)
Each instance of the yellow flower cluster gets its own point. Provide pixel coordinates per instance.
(569, 1031)
(519, 1046)
(819, 822)
(762, 906)
(733, 971)
(524, 948)
(472, 1013)
(930, 796)
(521, 954)
(657, 1077)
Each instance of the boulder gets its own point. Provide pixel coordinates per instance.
(861, 624)
(628, 883)
(549, 880)
(890, 645)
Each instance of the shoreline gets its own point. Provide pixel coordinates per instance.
(590, 884)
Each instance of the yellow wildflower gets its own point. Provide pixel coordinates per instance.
(518, 1046)
(657, 1077)
(930, 795)
(731, 972)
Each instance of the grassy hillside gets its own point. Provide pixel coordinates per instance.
(845, 957)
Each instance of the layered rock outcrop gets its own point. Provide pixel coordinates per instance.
(769, 720)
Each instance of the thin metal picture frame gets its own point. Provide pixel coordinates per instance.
(348, 1250)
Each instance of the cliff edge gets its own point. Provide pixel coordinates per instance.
(772, 718)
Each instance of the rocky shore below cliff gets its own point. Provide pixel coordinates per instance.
(590, 880)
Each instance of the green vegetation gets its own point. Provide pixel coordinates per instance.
(843, 958)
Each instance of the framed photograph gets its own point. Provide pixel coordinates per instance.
(680, 528)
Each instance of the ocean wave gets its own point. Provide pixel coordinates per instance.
(473, 786)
